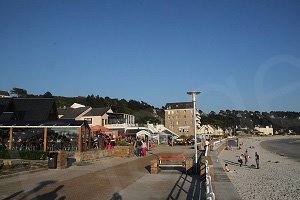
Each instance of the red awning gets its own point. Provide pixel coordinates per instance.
(99, 128)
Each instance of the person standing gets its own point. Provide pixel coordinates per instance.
(139, 147)
(144, 147)
(246, 156)
(257, 160)
(240, 160)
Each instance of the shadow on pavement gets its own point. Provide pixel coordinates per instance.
(50, 195)
(116, 196)
(196, 189)
(14, 195)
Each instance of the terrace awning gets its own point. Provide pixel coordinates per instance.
(44, 124)
(99, 128)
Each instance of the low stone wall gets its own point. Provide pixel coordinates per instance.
(117, 151)
(122, 151)
(220, 148)
(91, 155)
(62, 160)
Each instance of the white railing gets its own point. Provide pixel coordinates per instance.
(206, 150)
(219, 142)
(210, 195)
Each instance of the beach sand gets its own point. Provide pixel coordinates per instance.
(277, 178)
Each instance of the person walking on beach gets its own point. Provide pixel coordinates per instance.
(246, 156)
(257, 160)
(240, 160)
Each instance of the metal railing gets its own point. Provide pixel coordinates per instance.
(210, 195)
(206, 151)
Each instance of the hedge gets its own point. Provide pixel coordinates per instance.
(27, 155)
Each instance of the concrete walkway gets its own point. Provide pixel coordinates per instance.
(222, 186)
(109, 178)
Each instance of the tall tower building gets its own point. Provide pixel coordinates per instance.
(179, 118)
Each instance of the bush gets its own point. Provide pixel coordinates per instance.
(122, 143)
(27, 155)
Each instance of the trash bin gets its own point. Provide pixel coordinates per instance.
(52, 160)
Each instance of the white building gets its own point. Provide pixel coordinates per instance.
(264, 131)
(210, 130)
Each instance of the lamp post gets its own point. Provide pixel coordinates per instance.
(194, 94)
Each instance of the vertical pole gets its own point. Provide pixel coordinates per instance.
(10, 138)
(84, 139)
(194, 93)
(90, 139)
(45, 139)
(79, 142)
(195, 132)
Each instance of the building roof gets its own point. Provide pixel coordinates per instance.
(42, 123)
(4, 93)
(5, 104)
(97, 111)
(28, 109)
(71, 113)
(179, 105)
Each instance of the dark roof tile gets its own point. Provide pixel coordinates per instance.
(71, 113)
(97, 111)
(179, 105)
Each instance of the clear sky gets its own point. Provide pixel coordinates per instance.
(240, 54)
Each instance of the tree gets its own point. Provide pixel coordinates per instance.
(48, 95)
(19, 92)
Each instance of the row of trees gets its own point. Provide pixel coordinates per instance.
(249, 119)
(143, 111)
(146, 113)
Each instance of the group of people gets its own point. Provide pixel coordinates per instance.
(245, 156)
(140, 147)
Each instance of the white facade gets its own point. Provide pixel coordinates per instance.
(210, 130)
(265, 131)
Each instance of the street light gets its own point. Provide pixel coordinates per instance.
(194, 94)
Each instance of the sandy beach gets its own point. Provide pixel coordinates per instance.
(277, 178)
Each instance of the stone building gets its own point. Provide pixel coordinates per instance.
(179, 118)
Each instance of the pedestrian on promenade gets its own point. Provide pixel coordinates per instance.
(257, 160)
(246, 156)
(240, 160)
(139, 147)
(144, 147)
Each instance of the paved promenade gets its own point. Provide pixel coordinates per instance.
(109, 178)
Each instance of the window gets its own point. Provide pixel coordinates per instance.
(177, 123)
(89, 120)
(103, 122)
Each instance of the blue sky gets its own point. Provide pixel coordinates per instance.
(241, 55)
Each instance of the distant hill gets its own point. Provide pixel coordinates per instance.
(142, 111)
(281, 121)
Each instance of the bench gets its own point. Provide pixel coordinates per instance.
(171, 161)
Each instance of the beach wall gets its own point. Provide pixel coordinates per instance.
(117, 151)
